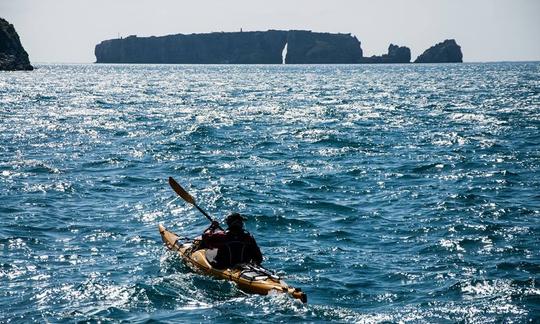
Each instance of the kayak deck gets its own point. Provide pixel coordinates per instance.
(249, 278)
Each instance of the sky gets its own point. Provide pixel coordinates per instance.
(66, 31)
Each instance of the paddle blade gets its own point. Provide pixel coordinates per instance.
(180, 191)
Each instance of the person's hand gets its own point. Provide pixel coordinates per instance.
(214, 225)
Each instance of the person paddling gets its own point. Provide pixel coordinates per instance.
(231, 247)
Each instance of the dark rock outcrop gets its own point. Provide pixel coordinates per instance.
(303, 47)
(396, 54)
(306, 47)
(12, 54)
(446, 52)
(212, 48)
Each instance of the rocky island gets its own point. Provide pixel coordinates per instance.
(211, 48)
(258, 47)
(303, 47)
(396, 54)
(446, 52)
(12, 54)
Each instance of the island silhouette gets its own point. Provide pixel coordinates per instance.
(262, 47)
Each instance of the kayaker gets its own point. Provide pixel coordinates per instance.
(234, 246)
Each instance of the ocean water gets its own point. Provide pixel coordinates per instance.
(388, 193)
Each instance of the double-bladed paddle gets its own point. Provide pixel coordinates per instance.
(188, 198)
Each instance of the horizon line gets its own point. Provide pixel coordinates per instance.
(410, 63)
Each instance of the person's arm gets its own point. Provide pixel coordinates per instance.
(257, 255)
(212, 238)
(212, 228)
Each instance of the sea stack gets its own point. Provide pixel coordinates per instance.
(396, 54)
(446, 52)
(12, 55)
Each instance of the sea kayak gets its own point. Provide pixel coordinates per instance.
(249, 278)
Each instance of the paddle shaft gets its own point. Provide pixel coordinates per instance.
(188, 198)
(203, 212)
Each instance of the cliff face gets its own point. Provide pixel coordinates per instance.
(212, 48)
(396, 54)
(305, 47)
(446, 52)
(233, 48)
(12, 54)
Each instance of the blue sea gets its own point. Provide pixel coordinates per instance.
(388, 193)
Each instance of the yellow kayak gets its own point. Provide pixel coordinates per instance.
(249, 278)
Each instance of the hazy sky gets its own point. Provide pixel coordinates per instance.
(487, 30)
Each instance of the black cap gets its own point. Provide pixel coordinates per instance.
(235, 220)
